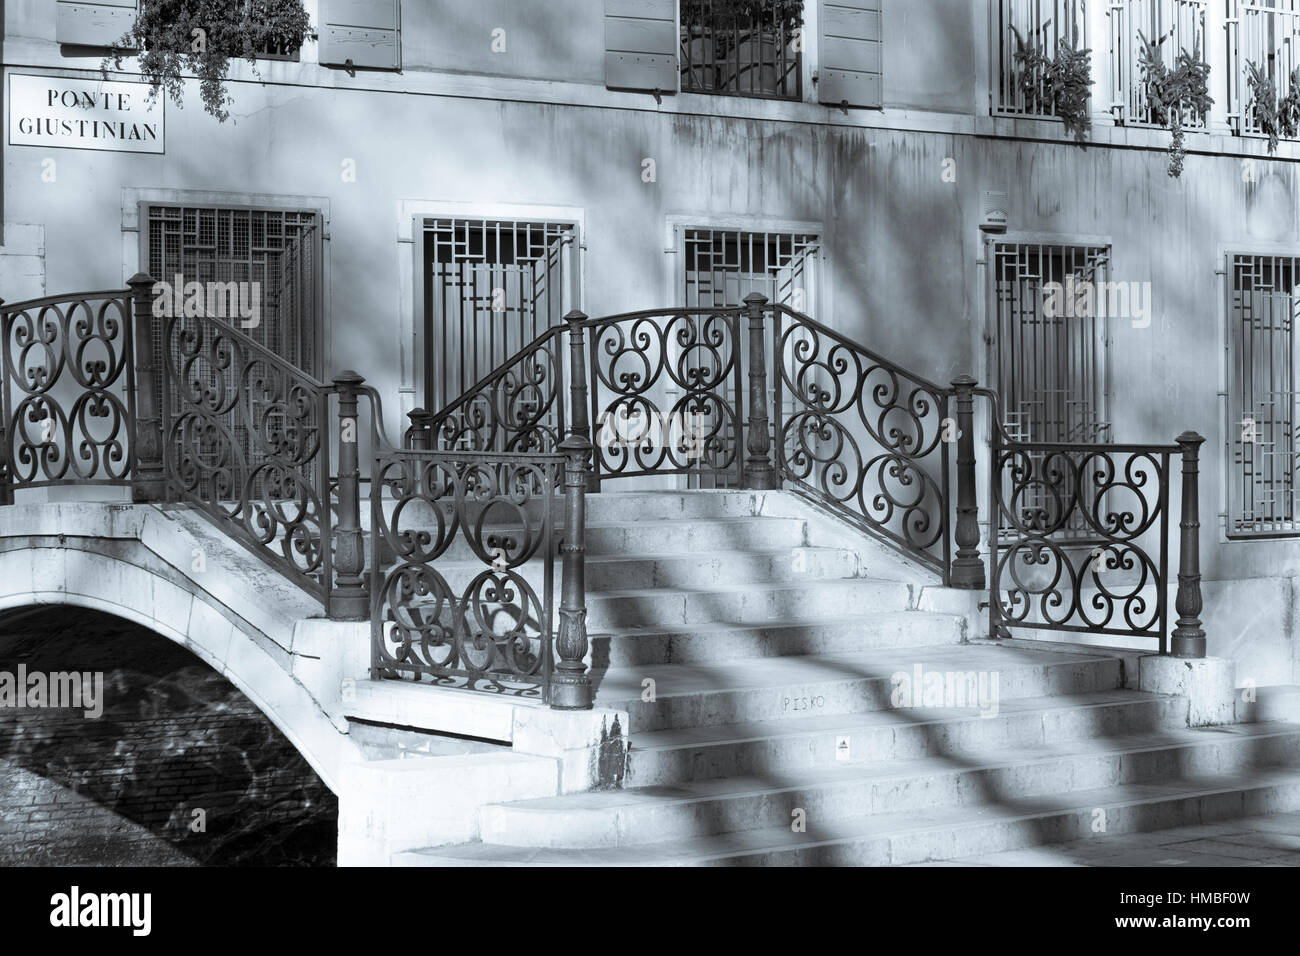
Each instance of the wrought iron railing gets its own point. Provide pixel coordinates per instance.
(517, 408)
(186, 408)
(1037, 25)
(665, 392)
(468, 600)
(1114, 579)
(863, 435)
(68, 376)
(245, 439)
(460, 549)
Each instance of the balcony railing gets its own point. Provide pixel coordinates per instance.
(1175, 25)
(1040, 25)
(1266, 34)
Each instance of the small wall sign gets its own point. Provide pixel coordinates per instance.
(71, 113)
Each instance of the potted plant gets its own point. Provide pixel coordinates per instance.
(202, 38)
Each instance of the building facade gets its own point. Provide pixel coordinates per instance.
(429, 183)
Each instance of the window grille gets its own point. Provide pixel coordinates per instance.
(1052, 369)
(725, 265)
(742, 49)
(1262, 394)
(492, 287)
(278, 251)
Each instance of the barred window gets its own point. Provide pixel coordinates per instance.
(491, 287)
(1051, 362)
(1262, 394)
(742, 47)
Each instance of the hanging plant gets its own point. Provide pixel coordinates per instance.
(1059, 85)
(201, 37)
(1176, 95)
(1278, 119)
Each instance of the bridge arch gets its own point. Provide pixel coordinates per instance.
(178, 577)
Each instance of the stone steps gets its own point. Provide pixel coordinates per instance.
(709, 807)
(663, 757)
(719, 642)
(759, 689)
(918, 836)
(764, 672)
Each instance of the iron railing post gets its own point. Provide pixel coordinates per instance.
(759, 473)
(147, 481)
(967, 567)
(419, 436)
(1189, 637)
(570, 684)
(348, 600)
(6, 474)
(579, 400)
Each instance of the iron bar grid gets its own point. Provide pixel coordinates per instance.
(1262, 445)
(736, 49)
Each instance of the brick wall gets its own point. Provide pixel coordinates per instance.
(175, 737)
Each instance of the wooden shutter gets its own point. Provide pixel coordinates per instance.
(850, 53)
(367, 32)
(101, 23)
(641, 45)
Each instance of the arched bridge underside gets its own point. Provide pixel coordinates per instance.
(171, 572)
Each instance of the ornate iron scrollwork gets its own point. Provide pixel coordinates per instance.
(863, 435)
(243, 442)
(68, 375)
(1083, 537)
(666, 393)
(468, 602)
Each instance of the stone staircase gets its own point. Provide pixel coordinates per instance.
(762, 657)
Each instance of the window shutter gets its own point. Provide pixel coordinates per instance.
(641, 45)
(101, 23)
(367, 32)
(849, 71)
